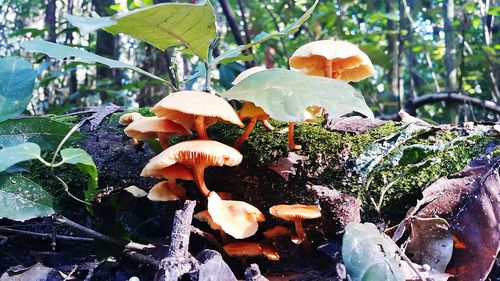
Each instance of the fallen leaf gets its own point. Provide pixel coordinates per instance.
(354, 124)
(430, 243)
(406, 118)
(100, 114)
(284, 166)
(135, 191)
(471, 205)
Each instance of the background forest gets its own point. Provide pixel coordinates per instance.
(434, 58)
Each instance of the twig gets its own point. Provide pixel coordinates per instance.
(45, 235)
(455, 97)
(181, 229)
(228, 13)
(96, 235)
(142, 258)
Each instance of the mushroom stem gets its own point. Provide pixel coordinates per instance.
(328, 71)
(199, 123)
(199, 178)
(172, 182)
(163, 140)
(223, 236)
(266, 124)
(248, 130)
(299, 228)
(292, 144)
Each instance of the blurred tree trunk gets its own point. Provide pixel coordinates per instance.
(415, 81)
(392, 49)
(73, 82)
(449, 57)
(106, 46)
(50, 20)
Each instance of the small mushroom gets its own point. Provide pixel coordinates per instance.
(197, 155)
(196, 109)
(128, 118)
(165, 191)
(171, 173)
(276, 232)
(151, 127)
(296, 213)
(332, 58)
(251, 249)
(237, 218)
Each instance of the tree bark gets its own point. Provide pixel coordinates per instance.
(393, 50)
(50, 20)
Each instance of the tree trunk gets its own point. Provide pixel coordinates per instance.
(393, 50)
(450, 56)
(106, 46)
(50, 20)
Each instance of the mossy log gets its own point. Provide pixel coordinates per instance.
(327, 158)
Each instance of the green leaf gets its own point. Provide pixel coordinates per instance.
(40, 130)
(163, 25)
(83, 161)
(21, 199)
(17, 79)
(285, 94)
(70, 54)
(236, 53)
(368, 254)
(19, 153)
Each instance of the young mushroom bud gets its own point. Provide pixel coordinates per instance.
(198, 110)
(335, 59)
(165, 191)
(296, 213)
(251, 249)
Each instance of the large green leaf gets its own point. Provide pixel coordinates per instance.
(285, 94)
(83, 161)
(236, 53)
(40, 130)
(163, 25)
(17, 78)
(21, 199)
(368, 254)
(68, 54)
(19, 153)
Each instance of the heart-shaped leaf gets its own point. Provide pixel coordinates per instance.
(69, 54)
(369, 255)
(19, 153)
(163, 25)
(17, 78)
(21, 199)
(285, 94)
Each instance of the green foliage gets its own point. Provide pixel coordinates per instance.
(18, 153)
(22, 199)
(369, 254)
(69, 54)
(43, 131)
(17, 79)
(285, 94)
(163, 26)
(83, 161)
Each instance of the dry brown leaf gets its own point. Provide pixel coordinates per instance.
(284, 166)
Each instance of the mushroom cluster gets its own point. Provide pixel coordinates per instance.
(191, 112)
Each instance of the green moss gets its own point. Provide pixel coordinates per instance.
(71, 119)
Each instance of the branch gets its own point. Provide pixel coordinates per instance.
(44, 235)
(228, 13)
(453, 97)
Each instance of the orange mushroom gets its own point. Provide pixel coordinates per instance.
(196, 109)
(151, 127)
(296, 213)
(204, 216)
(335, 59)
(128, 118)
(276, 232)
(197, 155)
(237, 218)
(171, 173)
(165, 191)
(251, 249)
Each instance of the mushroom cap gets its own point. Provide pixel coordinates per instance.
(149, 127)
(237, 218)
(204, 216)
(163, 191)
(251, 249)
(276, 231)
(183, 107)
(295, 212)
(176, 171)
(353, 63)
(196, 153)
(128, 118)
(244, 74)
(250, 110)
